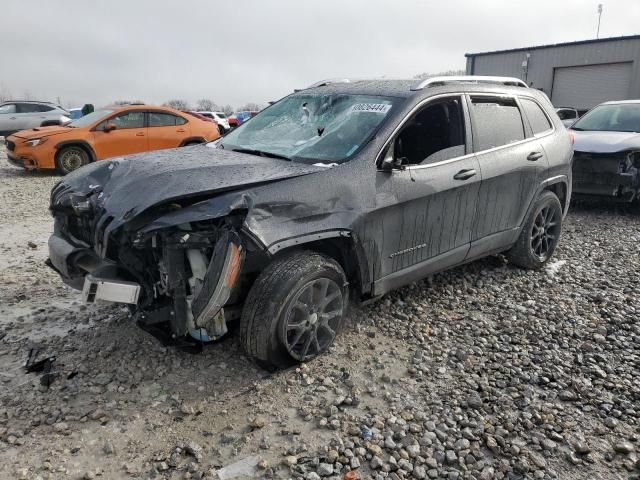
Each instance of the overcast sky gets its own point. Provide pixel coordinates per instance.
(238, 51)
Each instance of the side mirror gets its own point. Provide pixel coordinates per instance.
(109, 127)
(390, 162)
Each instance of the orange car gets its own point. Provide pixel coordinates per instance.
(105, 133)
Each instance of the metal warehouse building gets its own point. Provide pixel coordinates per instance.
(576, 74)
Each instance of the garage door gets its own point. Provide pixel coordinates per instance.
(587, 86)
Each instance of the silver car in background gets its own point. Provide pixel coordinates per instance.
(606, 159)
(16, 115)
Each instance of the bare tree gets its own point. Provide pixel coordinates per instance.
(207, 105)
(227, 109)
(423, 76)
(5, 93)
(252, 107)
(178, 104)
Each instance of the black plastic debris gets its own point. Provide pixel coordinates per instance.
(44, 366)
(2, 334)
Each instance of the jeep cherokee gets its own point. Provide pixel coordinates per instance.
(341, 190)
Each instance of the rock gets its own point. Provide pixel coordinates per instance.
(290, 460)
(61, 427)
(325, 469)
(257, 422)
(623, 447)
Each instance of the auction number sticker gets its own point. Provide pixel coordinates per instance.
(371, 107)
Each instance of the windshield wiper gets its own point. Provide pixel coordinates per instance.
(261, 153)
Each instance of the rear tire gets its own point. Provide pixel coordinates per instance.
(294, 310)
(540, 234)
(71, 158)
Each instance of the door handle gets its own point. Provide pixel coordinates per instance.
(533, 156)
(465, 174)
(140, 134)
(12, 118)
(181, 130)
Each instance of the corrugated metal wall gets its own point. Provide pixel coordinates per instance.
(543, 61)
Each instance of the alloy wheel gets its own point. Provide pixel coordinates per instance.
(313, 318)
(545, 232)
(71, 160)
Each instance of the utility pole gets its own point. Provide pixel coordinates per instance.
(599, 17)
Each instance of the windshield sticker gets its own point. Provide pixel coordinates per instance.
(371, 107)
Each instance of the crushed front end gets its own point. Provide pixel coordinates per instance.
(607, 174)
(181, 281)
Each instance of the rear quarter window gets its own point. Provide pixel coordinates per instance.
(536, 116)
(497, 122)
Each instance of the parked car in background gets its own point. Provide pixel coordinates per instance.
(568, 115)
(242, 117)
(75, 113)
(337, 192)
(233, 121)
(199, 116)
(22, 114)
(606, 159)
(107, 132)
(220, 118)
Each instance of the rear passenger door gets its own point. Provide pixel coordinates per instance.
(511, 161)
(166, 130)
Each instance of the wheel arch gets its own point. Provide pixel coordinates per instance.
(192, 140)
(341, 245)
(80, 143)
(560, 187)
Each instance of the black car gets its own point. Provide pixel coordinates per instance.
(345, 190)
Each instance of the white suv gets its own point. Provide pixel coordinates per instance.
(23, 114)
(220, 118)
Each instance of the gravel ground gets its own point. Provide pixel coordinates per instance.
(483, 372)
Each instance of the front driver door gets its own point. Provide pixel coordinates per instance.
(428, 226)
(129, 137)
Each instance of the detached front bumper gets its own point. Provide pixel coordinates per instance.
(82, 269)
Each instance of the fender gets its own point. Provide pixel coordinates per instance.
(192, 139)
(83, 143)
(359, 262)
(564, 179)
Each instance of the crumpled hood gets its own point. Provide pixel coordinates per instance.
(605, 142)
(125, 187)
(40, 132)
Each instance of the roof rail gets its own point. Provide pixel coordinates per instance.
(329, 81)
(439, 81)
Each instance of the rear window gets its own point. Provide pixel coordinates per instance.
(221, 115)
(497, 122)
(28, 107)
(157, 119)
(536, 116)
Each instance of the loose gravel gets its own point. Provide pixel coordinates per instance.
(484, 372)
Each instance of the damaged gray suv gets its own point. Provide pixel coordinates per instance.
(341, 191)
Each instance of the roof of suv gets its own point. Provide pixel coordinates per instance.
(29, 101)
(403, 88)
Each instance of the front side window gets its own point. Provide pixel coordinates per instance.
(537, 118)
(618, 117)
(312, 128)
(91, 118)
(434, 134)
(6, 109)
(157, 119)
(125, 121)
(497, 122)
(44, 108)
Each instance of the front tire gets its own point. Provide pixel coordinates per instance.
(540, 235)
(294, 310)
(71, 158)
